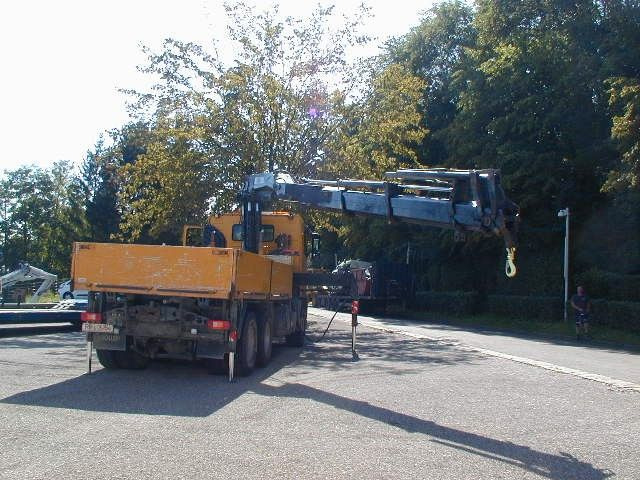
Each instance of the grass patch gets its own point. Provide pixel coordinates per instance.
(533, 327)
(48, 297)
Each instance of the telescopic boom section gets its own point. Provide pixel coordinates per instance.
(461, 200)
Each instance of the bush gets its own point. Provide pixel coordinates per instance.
(525, 307)
(456, 303)
(612, 286)
(620, 315)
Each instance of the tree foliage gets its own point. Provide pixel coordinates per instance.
(212, 124)
(42, 215)
(533, 88)
(625, 98)
(100, 177)
(547, 91)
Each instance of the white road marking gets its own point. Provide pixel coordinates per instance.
(616, 384)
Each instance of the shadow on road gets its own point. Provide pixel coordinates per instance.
(557, 467)
(385, 353)
(178, 389)
(186, 389)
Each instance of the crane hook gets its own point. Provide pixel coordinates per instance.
(510, 267)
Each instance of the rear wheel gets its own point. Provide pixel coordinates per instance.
(130, 359)
(248, 346)
(107, 359)
(265, 342)
(296, 339)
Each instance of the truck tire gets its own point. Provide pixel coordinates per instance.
(247, 346)
(265, 342)
(107, 359)
(130, 359)
(296, 339)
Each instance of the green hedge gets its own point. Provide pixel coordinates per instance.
(611, 286)
(620, 315)
(457, 303)
(526, 307)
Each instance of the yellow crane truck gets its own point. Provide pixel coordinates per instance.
(237, 284)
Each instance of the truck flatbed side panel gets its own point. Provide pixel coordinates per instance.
(252, 275)
(281, 279)
(204, 272)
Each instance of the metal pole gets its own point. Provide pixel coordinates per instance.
(566, 262)
(355, 307)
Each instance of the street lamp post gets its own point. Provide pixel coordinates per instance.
(565, 213)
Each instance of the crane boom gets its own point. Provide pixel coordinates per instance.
(462, 200)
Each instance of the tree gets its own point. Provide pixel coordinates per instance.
(625, 99)
(381, 133)
(621, 50)
(42, 215)
(534, 104)
(435, 50)
(101, 181)
(381, 130)
(273, 109)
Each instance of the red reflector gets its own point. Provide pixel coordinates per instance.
(355, 306)
(233, 336)
(218, 324)
(91, 317)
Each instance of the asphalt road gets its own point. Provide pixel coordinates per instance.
(412, 407)
(587, 356)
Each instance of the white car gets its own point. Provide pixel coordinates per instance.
(64, 290)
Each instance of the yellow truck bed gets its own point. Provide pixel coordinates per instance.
(203, 272)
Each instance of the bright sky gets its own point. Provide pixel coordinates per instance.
(63, 61)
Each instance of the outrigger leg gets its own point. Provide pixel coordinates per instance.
(231, 364)
(89, 351)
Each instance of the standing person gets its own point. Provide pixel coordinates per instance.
(582, 306)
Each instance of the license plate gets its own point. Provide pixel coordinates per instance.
(97, 328)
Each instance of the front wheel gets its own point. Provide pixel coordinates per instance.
(67, 296)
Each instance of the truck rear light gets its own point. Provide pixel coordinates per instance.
(233, 335)
(218, 324)
(91, 317)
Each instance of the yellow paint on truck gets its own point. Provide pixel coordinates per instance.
(203, 272)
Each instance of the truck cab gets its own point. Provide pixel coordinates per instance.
(283, 236)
